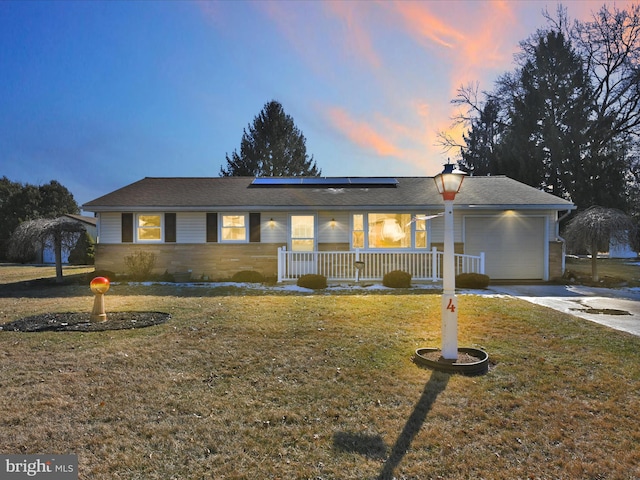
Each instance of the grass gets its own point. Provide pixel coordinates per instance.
(612, 271)
(318, 387)
(21, 273)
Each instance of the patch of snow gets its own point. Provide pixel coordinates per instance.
(287, 287)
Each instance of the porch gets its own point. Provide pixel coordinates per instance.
(359, 264)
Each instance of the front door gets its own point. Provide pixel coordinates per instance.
(303, 243)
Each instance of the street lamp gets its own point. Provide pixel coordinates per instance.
(448, 183)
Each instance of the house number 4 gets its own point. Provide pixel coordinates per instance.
(451, 306)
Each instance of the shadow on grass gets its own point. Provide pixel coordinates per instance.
(373, 446)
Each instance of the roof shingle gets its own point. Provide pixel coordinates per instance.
(199, 193)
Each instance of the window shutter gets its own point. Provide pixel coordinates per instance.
(212, 227)
(170, 227)
(127, 228)
(254, 227)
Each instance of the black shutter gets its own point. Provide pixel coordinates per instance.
(170, 227)
(254, 227)
(127, 227)
(212, 227)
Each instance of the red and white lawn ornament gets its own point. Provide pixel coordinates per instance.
(99, 287)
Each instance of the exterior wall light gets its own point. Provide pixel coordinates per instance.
(272, 223)
(332, 223)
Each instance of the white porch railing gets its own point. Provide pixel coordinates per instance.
(425, 265)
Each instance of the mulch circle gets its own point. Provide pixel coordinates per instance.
(81, 322)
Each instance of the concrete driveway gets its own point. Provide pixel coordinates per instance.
(618, 309)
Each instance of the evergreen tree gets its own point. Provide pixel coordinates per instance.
(550, 117)
(534, 127)
(481, 140)
(272, 147)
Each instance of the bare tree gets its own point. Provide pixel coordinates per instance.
(62, 232)
(598, 226)
(610, 45)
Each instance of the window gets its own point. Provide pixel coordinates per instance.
(234, 228)
(149, 228)
(389, 230)
(302, 233)
(421, 233)
(358, 231)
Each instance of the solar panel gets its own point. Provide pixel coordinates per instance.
(341, 182)
(276, 181)
(379, 181)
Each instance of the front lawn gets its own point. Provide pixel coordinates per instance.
(318, 387)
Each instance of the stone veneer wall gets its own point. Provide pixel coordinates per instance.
(221, 261)
(214, 260)
(555, 260)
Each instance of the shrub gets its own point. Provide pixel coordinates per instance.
(83, 252)
(140, 264)
(472, 280)
(397, 279)
(248, 276)
(312, 281)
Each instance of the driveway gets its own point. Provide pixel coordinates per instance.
(618, 309)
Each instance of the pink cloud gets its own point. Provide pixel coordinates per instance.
(356, 39)
(362, 133)
(424, 25)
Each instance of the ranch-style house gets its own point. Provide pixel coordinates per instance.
(345, 228)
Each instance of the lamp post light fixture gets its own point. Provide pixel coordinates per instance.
(448, 183)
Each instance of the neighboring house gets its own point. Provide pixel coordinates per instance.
(48, 253)
(215, 227)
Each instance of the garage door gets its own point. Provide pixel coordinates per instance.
(513, 245)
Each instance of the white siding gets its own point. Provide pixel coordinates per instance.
(435, 227)
(275, 232)
(191, 227)
(110, 227)
(339, 232)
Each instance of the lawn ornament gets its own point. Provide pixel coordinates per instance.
(99, 287)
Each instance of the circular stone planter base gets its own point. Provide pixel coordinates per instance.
(470, 361)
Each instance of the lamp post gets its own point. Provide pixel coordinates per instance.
(448, 183)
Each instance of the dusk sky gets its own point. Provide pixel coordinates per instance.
(97, 95)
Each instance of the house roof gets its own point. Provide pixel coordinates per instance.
(233, 193)
(92, 221)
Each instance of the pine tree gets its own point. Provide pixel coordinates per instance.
(550, 116)
(272, 147)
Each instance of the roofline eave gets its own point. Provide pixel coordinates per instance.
(285, 208)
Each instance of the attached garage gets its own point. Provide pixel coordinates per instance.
(515, 246)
